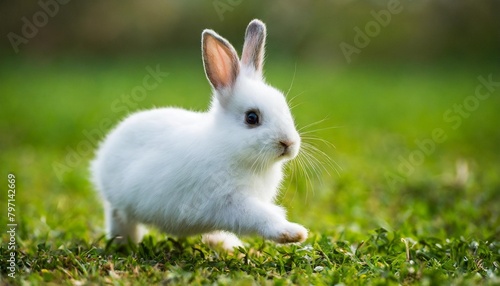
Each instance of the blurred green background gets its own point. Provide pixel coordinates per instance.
(417, 31)
(67, 69)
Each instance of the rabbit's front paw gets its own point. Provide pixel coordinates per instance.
(289, 233)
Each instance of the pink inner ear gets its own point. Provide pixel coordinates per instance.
(222, 65)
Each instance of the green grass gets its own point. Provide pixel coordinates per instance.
(438, 224)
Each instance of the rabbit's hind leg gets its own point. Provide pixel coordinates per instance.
(222, 239)
(121, 227)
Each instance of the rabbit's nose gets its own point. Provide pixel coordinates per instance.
(286, 143)
(286, 146)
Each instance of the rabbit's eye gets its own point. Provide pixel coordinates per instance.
(252, 118)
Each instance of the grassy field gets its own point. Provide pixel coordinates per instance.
(414, 200)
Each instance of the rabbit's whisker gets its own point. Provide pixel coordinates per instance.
(293, 79)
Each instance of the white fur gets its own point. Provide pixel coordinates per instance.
(206, 173)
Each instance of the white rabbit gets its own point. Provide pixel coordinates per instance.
(214, 173)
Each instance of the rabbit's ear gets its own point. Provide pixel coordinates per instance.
(252, 57)
(220, 60)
